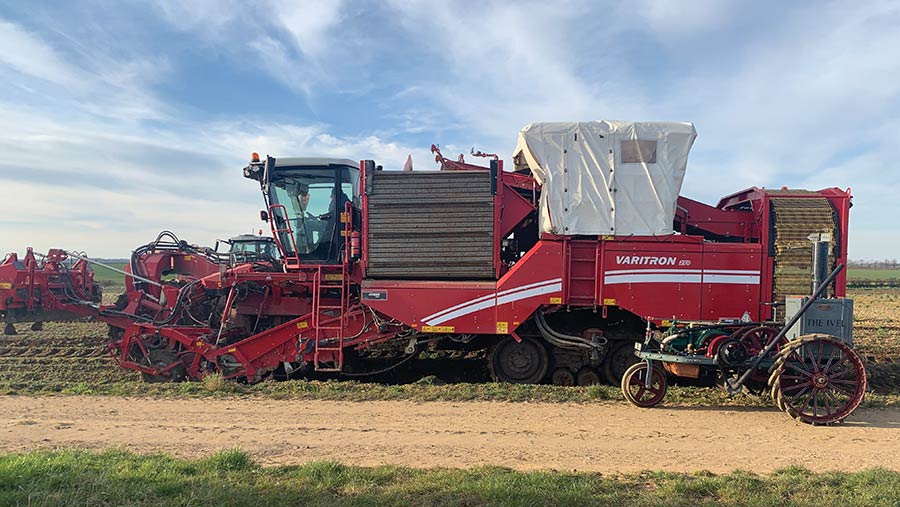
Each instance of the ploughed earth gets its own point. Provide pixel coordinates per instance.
(602, 437)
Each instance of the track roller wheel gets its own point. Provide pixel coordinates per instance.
(818, 379)
(619, 358)
(518, 363)
(161, 358)
(587, 377)
(563, 377)
(10, 329)
(640, 392)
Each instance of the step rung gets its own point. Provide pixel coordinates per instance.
(584, 278)
(330, 307)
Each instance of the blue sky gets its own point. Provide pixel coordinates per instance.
(119, 119)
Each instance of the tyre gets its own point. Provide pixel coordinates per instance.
(818, 379)
(524, 362)
(620, 357)
(638, 391)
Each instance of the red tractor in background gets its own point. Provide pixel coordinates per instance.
(558, 268)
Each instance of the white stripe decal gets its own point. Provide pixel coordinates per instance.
(510, 296)
(652, 278)
(671, 270)
(549, 289)
(490, 296)
(682, 278)
(462, 311)
(675, 270)
(741, 279)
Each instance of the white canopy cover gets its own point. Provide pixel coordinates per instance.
(607, 177)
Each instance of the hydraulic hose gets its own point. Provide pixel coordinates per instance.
(563, 340)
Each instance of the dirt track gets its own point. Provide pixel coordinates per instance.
(601, 437)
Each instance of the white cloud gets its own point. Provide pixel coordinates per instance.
(209, 17)
(678, 19)
(310, 24)
(23, 52)
(295, 43)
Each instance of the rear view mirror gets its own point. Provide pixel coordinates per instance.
(264, 215)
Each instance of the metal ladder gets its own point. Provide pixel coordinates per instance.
(321, 285)
(332, 346)
(290, 261)
(582, 274)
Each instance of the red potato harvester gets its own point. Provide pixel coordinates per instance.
(581, 264)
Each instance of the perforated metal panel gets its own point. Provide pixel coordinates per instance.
(430, 225)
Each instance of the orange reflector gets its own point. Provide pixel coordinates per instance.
(254, 157)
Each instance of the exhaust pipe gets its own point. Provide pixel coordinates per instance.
(820, 268)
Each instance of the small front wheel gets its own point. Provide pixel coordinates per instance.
(638, 391)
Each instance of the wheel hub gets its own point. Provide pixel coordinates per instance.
(520, 360)
(820, 380)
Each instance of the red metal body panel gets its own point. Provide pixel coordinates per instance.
(474, 307)
(728, 224)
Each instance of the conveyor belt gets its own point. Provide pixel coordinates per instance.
(794, 219)
(431, 225)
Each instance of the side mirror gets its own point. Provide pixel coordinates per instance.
(264, 215)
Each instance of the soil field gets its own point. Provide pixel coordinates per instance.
(74, 352)
(601, 437)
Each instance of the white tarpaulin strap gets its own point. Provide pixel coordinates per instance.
(607, 177)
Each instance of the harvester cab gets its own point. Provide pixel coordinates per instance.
(248, 247)
(307, 201)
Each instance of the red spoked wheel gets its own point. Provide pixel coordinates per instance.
(638, 390)
(818, 379)
(755, 339)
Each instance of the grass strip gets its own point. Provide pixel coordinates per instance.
(231, 478)
(214, 386)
